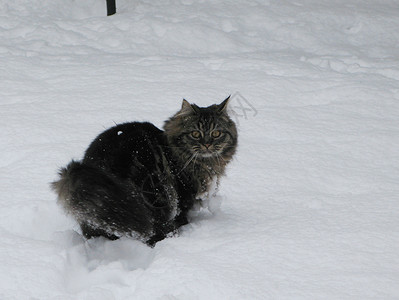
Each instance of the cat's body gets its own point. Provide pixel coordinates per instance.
(137, 180)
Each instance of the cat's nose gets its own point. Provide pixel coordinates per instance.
(207, 146)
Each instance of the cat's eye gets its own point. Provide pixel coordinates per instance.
(196, 134)
(216, 133)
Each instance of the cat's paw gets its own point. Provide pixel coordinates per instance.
(198, 205)
(212, 204)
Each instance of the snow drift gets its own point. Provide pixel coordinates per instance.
(310, 205)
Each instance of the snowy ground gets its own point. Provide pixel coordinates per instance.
(310, 205)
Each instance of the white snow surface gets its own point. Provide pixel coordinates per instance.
(310, 204)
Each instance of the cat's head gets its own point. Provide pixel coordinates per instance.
(202, 132)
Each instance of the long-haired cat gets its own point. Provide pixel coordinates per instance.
(137, 180)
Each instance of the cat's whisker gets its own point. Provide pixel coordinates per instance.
(217, 159)
(188, 162)
(195, 160)
(175, 147)
(220, 155)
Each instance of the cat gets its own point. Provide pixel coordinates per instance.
(139, 181)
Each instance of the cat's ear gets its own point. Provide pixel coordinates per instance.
(186, 108)
(222, 107)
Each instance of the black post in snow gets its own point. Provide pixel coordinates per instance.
(111, 7)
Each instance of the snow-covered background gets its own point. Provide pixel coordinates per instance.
(310, 204)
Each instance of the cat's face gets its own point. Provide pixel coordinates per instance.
(202, 132)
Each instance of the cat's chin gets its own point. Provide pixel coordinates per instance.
(208, 154)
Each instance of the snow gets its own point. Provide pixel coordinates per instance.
(310, 204)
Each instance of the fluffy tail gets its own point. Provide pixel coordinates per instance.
(102, 205)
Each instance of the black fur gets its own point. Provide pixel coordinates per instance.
(141, 208)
